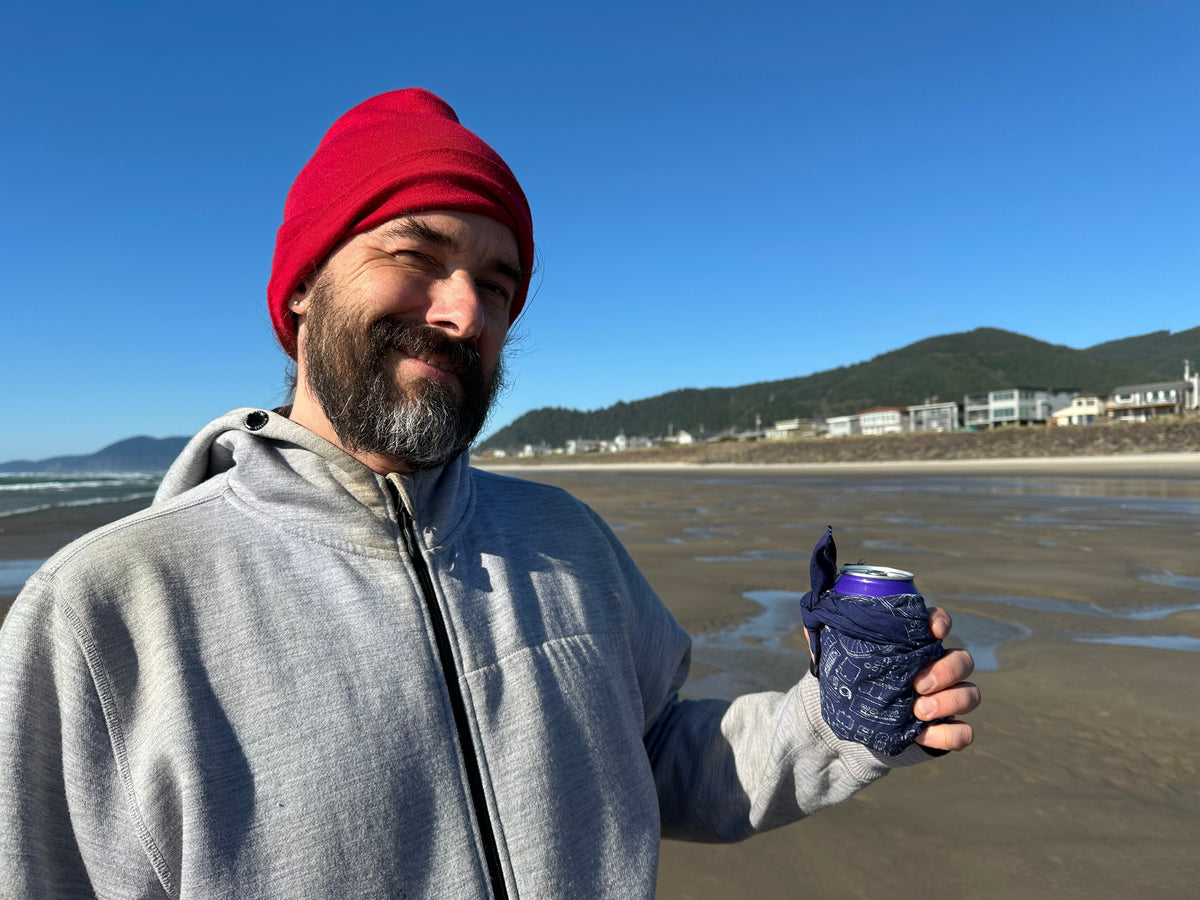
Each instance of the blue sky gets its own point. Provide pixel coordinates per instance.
(722, 193)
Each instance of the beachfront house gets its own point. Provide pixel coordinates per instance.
(582, 445)
(843, 426)
(1013, 406)
(786, 429)
(882, 420)
(782, 430)
(934, 416)
(1083, 410)
(623, 442)
(1139, 402)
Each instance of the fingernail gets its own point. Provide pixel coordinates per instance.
(923, 708)
(923, 685)
(942, 622)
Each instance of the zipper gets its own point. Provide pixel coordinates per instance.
(491, 849)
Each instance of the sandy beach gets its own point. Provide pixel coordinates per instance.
(1077, 584)
(1084, 778)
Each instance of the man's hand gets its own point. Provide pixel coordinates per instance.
(943, 692)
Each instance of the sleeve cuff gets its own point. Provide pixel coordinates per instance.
(865, 763)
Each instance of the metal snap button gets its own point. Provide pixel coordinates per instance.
(257, 420)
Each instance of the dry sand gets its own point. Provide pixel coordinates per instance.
(1085, 777)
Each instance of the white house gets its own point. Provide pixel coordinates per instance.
(843, 426)
(1139, 402)
(583, 445)
(882, 420)
(1083, 410)
(1013, 406)
(933, 416)
(623, 442)
(786, 429)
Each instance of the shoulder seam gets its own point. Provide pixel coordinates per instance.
(148, 514)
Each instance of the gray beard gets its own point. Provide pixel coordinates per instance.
(420, 427)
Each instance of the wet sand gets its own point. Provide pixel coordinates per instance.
(1085, 777)
(37, 535)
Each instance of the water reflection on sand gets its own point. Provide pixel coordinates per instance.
(741, 654)
(1074, 520)
(15, 572)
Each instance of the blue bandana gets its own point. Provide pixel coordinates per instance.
(867, 651)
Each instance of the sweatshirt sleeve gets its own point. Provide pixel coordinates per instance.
(725, 771)
(65, 830)
(728, 770)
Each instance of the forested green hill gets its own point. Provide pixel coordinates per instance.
(1160, 350)
(944, 367)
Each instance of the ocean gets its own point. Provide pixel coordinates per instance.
(21, 494)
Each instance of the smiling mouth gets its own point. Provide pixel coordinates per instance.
(435, 362)
(458, 360)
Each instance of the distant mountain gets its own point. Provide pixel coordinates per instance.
(946, 367)
(1160, 350)
(136, 454)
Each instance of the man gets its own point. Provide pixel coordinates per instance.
(332, 660)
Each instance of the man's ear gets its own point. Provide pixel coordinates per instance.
(298, 302)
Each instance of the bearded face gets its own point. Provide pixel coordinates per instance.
(351, 372)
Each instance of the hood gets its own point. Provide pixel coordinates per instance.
(211, 451)
(290, 473)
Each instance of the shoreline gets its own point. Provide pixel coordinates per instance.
(40, 533)
(1129, 464)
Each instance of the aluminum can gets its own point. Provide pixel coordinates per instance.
(874, 581)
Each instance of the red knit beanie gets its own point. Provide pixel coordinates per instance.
(398, 153)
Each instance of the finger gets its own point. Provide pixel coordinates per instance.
(939, 622)
(947, 736)
(952, 668)
(955, 701)
(808, 644)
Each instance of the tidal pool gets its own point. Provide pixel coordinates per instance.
(752, 656)
(1075, 608)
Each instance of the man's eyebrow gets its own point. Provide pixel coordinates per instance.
(415, 229)
(508, 269)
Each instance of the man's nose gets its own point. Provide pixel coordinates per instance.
(455, 306)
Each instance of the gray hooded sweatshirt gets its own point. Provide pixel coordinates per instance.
(291, 677)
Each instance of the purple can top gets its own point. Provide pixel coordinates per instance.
(874, 581)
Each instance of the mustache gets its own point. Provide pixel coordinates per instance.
(418, 339)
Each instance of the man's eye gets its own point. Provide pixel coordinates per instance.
(499, 292)
(416, 257)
